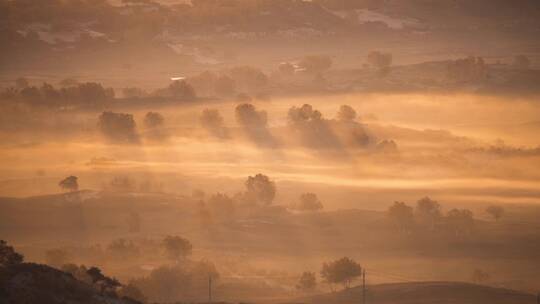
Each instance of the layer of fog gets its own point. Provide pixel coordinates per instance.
(466, 148)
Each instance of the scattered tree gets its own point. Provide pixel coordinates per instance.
(254, 124)
(428, 212)
(346, 113)
(104, 284)
(212, 121)
(177, 247)
(118, 127)
(91, 92)
(181, 90)
(153, 120)
(307, 281)
(342, 271)
(308, 202)
(69, 183)
(401, 215)
(261, 189)
(303, 114)
(248, 116)
(184, 283)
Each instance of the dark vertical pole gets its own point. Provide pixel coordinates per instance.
(209, 289)
(364, 287)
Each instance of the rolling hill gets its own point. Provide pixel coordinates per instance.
(424, 293)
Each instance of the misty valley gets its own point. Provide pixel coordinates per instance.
(272, 152)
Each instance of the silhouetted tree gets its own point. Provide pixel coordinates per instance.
(255, 124)
(428, 212)
(118, 127)
(103, 283)
(307, 281)
(346, 113)
(261, 189)
(8, 255)
(69, 183)
(303, 114)
(495, 211)
(164, 284)
(181, 90)
(153, 120)
(342, 271)
(184, 283)
(317, 132)
(212, 121)
(401, 215)
(92, 92)
(308, 202)
(177, 247)
(248, 116)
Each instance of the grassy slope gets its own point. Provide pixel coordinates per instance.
(424, 293)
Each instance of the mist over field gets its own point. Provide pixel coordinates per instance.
(268, 151)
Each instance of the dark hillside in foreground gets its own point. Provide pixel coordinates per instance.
(35, 283)
(425, 293)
